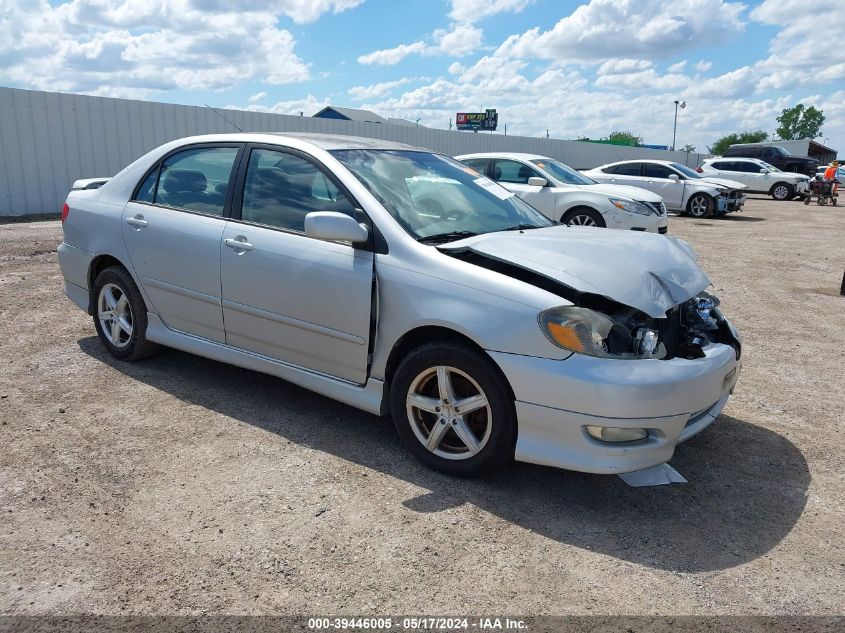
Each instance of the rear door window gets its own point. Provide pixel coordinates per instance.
(195, 179)
(627, 169)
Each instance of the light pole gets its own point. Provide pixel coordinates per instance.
(683, 105)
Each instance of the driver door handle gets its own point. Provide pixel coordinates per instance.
(138, 221)
(239, 243)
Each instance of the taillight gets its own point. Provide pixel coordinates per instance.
(65, 211)
(699, 170)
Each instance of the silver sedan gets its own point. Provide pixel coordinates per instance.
(487, 331)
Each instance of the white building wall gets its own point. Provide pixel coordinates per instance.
(48, 140)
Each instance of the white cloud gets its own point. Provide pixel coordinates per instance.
(359, 93)
(703, 66)
(390, 56)
(456, 41)
(678, 67)
(140, 47)
(308, 106)
(461, 40)
(475, 10)
(258, 96)
(619, 66)
(643, 29)
(456, 68)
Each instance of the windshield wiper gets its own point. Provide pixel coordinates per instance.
(450, 236)
(522, 227)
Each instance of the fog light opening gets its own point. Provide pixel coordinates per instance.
(616, 434)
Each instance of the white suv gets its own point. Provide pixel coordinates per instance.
(564, 195)
(758, 175)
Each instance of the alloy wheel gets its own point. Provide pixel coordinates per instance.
(781, 192)
(581, 220)
(115, 315)
(698, 206)
(449, 413)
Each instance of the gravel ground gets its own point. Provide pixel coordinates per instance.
(183, 486)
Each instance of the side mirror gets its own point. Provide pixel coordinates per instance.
(536, 181)
(332, 226)
(673, 177)
(764, 171)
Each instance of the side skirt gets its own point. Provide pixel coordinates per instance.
(368, 398)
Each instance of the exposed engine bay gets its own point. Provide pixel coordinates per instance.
(684, 331)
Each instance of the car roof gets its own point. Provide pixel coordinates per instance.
(643, 160)
(323, 141)
(514, 155)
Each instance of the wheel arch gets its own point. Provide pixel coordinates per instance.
(582, 207)
(425, 334)
(99, 264)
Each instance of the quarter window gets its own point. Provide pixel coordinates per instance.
(281, 189)
(194, 179)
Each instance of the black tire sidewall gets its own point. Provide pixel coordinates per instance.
(710, 205)
(499, 449)
(122, 279)
(790, 191)
(592, 213)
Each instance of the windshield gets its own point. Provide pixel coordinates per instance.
(436, 198)
(769, 167)
(686, 171)
(563, 173)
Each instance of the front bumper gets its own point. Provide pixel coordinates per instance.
(729, 204)
(556, 400)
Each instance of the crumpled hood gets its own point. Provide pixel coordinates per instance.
(646, 271)
(722, 182)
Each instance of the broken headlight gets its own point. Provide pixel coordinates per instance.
(592, 333)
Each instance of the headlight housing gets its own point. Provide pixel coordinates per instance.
(589, 332)
(631, 206)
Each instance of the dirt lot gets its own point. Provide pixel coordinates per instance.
(181, 485)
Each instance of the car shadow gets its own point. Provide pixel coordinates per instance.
(747, 485)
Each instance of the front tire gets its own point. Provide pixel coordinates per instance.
(782, 191)
(120, 315)
(700, 206)
(453, 410)
(583, 216)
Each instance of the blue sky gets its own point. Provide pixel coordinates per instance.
(574, 68)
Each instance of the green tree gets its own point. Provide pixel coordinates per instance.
(719, 147)
(688, 148)
(799, 122)
(625, 136)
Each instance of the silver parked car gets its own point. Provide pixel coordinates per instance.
(682, 189)
(487, 331)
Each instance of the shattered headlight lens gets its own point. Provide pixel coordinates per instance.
(631, 206)
(589, 332)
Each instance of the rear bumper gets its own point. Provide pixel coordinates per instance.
(75, 264)
(556, 400)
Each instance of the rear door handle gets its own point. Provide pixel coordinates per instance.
(239, 243)
(138, 222)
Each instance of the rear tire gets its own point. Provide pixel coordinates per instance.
(700, 206)
(583, 216)
(453, 410)
(120, 315)
(782, 191)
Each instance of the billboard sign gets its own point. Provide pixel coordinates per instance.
(487, 120)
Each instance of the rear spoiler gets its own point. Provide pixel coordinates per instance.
(89, 183)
